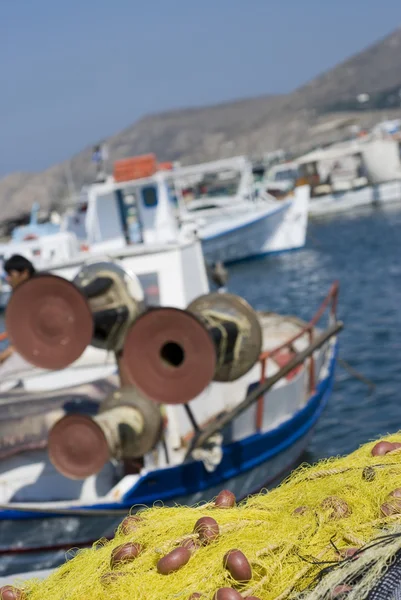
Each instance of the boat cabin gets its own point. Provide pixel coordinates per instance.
(351, 165)
(35, 228)
(335, 169)
(116, 213)
(215, 184)
(133, 218)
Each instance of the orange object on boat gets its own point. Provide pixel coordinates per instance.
(282, 358)
(166, 166)
(3, 336)
(136, 167)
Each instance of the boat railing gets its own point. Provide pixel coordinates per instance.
(328, 305)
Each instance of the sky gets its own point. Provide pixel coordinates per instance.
(74, 72)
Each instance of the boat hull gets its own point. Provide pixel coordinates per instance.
(41, 543)
(236, 243)
(278, 231)
(383, 193)
(34, 537)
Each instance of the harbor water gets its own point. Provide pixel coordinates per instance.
(363, 252)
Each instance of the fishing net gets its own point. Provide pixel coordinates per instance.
(372, 573)
(297, 539)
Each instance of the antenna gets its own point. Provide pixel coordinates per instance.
(99, 157)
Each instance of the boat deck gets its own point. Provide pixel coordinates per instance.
(12, 579)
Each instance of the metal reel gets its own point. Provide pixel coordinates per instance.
(48, 322)
(222, 313)
(77, 447)
(115, 297)
(137, 445)
(91, 269)
(169, 356)
(127, 426)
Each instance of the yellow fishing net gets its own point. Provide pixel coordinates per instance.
(338, 504)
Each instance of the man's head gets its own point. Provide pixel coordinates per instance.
(18, 269)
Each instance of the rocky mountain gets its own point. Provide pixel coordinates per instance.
(295, 121)
(372, 70)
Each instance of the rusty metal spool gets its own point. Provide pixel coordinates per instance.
(127, 426)
(49, 322)
(115, 297)
(172, 355)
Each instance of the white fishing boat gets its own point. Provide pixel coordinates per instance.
(236, 220)
(361, 172)
(180, 393)
(358, 173)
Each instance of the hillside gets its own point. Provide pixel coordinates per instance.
(252, 126)
(372, 70)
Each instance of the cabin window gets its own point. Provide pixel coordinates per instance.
(149, 196)
(127, 199)
(108, 217)
(285, 175)
(212, 185)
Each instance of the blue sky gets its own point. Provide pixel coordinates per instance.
(73, 72)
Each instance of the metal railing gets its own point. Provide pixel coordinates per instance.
(330, 302)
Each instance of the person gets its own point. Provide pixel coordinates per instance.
(18, 269)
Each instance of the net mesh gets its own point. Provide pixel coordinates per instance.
(288, 535)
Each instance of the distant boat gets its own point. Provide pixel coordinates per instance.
(344, 176)
(234, 220)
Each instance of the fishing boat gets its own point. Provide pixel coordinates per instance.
(207, 392)
(235, 219)
(361, 172)
(364, 171)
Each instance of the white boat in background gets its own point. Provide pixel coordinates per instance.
(236, 220)
(361, 172)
